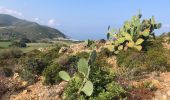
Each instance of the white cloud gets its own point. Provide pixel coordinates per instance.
(36, 19)
(4, 10)
(52, 22)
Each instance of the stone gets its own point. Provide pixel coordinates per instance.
(24, 83)
(164, 97)
(63, 50)
(168, 92)
(25, 92)
(15, 75)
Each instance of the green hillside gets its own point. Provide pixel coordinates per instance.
(12, 27)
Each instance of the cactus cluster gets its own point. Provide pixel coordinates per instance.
(133, 34)
(84, 69)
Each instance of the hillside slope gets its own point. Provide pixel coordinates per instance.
(14, 27)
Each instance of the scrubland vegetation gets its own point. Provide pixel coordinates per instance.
(88, 73)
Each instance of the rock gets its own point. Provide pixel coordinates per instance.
(63, 50)
(24, 84)
(16, 75)
(164, 97)
(25, 91)
(168, 92)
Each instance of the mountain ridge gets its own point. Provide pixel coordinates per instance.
(12, 27)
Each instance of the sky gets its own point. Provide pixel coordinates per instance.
(87, 19)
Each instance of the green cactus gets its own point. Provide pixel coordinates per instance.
(89, 43)
(83, 66)
(88, 88)
(64, 75)
(84, 69)
(92, 57)
(133, 34)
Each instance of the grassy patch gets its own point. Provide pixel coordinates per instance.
(5, 44)
(33, 46)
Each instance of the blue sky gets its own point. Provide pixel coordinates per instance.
(83, 19)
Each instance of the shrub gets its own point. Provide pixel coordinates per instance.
(28, 75)
(25, 40)
(31, 69)
(7, 72)
(50, 55)
(20, 44)
(105, 52)
(11, 53)
(51, 74)
(71, 91)
(64, 62)
(36, 66)
(82, 55)
(130, 59)
(155, 58)
(114, 92)
(34, 54)
(102, 77)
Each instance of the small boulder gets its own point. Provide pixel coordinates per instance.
(63, 50)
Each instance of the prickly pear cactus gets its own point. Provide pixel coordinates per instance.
(88, 88)
(64, 75)
(89, 43)
(83, 68)
(133, 34)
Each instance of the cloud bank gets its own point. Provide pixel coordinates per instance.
(4, 10)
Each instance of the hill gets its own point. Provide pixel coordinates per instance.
(12, 27)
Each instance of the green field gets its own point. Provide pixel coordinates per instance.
(33, 46)
(5, 44)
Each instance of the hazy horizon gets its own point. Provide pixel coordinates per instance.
(86, 19)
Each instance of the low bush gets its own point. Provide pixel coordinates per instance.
(34, 53)
(20, 44)
(82, 55)
(51, 74)
(50, 55)
(104, 85)
(7, 72)
(11, 53)
(155, 58)
(31, 69)
(105, 52)
(28, 76)
(65, 62)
